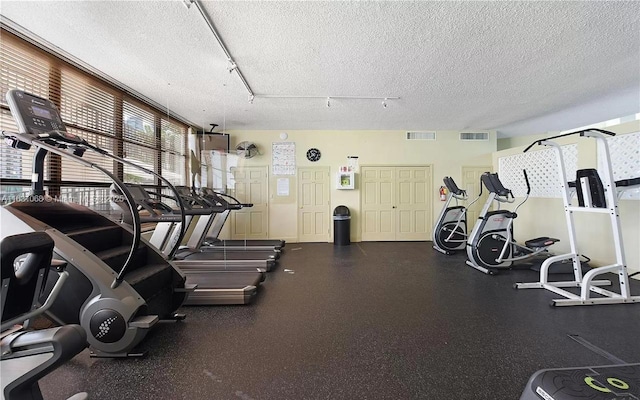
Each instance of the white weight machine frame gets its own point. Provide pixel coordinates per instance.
(586, 283)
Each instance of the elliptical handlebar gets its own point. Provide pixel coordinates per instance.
(455, 191)
(526, 179)
(494, 185)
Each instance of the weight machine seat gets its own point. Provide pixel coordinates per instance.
(621, 183)
(542, 241)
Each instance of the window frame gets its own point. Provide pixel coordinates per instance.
(58, 91)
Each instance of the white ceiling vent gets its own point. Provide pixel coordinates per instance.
(474, 136)
(421, 136)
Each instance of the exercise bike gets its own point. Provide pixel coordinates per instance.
(450, 232)
(491, 246)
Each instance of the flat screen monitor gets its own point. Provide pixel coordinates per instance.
(214, 141)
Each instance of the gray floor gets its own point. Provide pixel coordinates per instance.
(368, 321)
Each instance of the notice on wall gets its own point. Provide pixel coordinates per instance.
(282, 187)
(283, 158)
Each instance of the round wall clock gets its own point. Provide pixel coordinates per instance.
(313, 154)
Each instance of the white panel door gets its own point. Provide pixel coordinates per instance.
(378, 203)
(396, 203)
(413, 203)
(251, 186)
(314, 212)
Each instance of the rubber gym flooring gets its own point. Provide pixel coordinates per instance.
(366, 321)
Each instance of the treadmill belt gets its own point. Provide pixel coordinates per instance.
(224, 280)
(234, 243)
(208, 255)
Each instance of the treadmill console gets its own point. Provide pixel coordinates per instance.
(39, 118)
(33, 114)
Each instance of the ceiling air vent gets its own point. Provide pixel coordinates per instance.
(474, 136)
(421, 136)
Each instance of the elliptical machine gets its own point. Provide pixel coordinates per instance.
(450, 232)
(491, 246)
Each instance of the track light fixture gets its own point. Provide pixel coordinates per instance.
(328, 98)
(207, 19)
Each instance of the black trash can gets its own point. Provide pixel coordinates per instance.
(341, 226)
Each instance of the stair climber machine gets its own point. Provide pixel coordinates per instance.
(218, 280)
(491, 246)
(597, 193)
(230, 203)
(27, 355)
(119, 286)
(450, 232)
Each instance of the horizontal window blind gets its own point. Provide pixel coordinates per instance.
(102, 114)
(86, 105)
(173, 151)
(142, 156)
(22, 68)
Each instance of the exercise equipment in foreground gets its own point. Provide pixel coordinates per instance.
(595, 195)
(27, 356)
(491, 246)
(608, 382)
(119, 286)
(450, 232)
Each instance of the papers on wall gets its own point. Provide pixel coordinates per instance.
(283, 158)
(283, 187)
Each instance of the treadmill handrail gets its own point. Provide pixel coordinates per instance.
(178, 200)
(165, 210)
(137, 231)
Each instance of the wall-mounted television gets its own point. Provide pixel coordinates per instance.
(214, 141)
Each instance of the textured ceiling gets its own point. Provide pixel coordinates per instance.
(517, 67)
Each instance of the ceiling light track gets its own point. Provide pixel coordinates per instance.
(233, 66)
(328, 98)
(278, 96)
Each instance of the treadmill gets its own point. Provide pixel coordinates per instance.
(216, 284)
(198, 236)
(212, 235)
(169, 230)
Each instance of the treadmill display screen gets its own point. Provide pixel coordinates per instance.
(41, 112)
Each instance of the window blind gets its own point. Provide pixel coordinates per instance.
(99, 112)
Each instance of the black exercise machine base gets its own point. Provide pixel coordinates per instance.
(595, 383)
